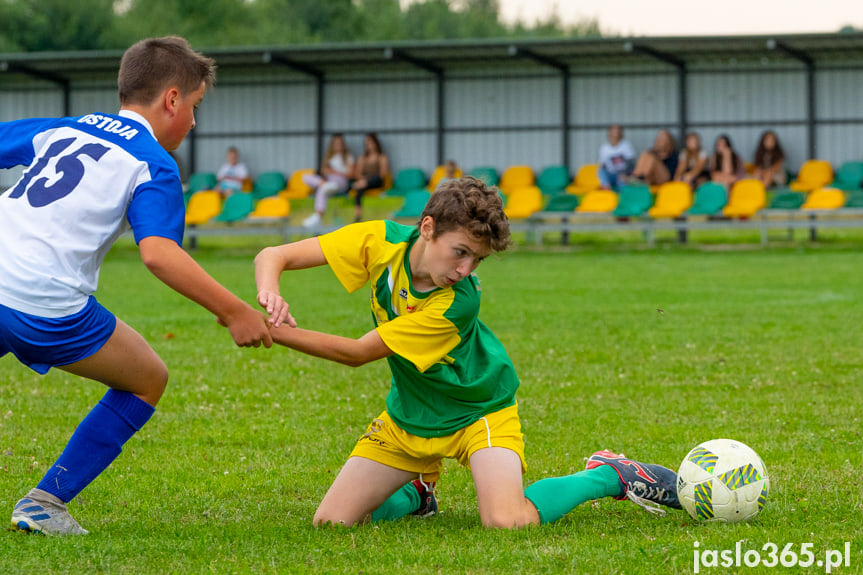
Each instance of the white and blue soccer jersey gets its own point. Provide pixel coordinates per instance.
(89, 178)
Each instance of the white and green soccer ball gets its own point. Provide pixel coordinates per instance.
(722, 480)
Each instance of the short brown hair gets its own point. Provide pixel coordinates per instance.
(155, 64)
(468, 204)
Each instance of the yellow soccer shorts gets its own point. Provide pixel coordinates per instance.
(387, 443)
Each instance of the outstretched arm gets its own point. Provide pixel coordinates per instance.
(345, 350)
(176, 268)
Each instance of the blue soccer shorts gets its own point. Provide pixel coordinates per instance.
(41, 343)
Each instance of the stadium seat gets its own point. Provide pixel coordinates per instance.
(787, 200)
(522, 202)
(487, 174)
(407, 179)
(672, 199)
(198, 182)
(849, 177)
(387, 188)
(236, 207)
(813, 174)
(438, 175)
(275, 207)
(203, 206)
(746, 198)
(824, 199)
(414, 204)
(515, 177)
(586, 180)
(561, 203)
(297, 189)
(598, 202)
(635, 200)
(553, 180)
(269, 184)
(710, 198)
(854, 199)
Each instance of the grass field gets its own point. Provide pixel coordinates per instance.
(649, 352)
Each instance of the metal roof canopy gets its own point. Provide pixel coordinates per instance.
(317, 61)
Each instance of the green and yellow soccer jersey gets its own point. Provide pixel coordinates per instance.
(449, 369)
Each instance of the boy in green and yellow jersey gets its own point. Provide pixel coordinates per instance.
(453, 384)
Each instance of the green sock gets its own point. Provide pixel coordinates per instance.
(556, 496)
(403, 502)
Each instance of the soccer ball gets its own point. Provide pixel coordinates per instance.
(722, 480)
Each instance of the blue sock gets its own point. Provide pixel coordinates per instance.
(97, 441)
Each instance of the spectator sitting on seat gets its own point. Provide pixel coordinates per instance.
(372, 167)
(691, 162)
(616, 159)
(450, 170)
(658, 164)
(232, 174)
(725, 165)
(334, 177)
(770, 161)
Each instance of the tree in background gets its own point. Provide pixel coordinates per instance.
(55, 25)
(62, 25)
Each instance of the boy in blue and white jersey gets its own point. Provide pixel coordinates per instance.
(88, 180)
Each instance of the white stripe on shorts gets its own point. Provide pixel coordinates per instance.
(487, 431)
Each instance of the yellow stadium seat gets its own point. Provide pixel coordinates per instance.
(598, 202)
(813, 174)
(745, 199)
(272, 207)
(438, 175)
(824, 199)
(522, 202)
(297, 188)
(750, 168)
(515, 177)
(203, 206)
(586, 180)
(672, 199)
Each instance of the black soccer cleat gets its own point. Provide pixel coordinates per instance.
(428, 501)
(642, 483)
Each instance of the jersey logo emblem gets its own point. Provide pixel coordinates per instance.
(403, 293)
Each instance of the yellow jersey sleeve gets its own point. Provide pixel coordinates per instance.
(424, 338)
(351, 250)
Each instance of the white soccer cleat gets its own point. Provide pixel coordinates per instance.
(41, 512)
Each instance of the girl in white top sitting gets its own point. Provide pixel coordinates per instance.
(334, 177)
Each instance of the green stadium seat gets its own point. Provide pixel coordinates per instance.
(635, 200)
(237, 207)
(407, 179)
(414, 204)
(487, 174)
(710, 198)
(561, 203)
(787, 200)
(269, 184)
(854, 199)
(849, 177)
(553, 180)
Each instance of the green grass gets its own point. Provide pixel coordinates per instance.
(759, 345)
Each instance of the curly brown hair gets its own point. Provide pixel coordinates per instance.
(469, 204)
(155, 64)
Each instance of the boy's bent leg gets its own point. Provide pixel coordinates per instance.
(137, 377)
(360, 488)
(497, 476)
